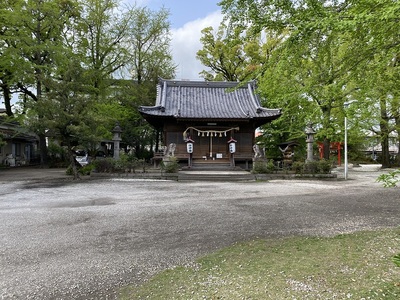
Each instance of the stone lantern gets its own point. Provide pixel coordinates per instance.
(116, 139)
(309, 140)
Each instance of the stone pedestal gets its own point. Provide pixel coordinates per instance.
(310, 156)
(116, 139)
(116, 149)
(310, 141)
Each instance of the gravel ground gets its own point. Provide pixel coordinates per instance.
(61, 239)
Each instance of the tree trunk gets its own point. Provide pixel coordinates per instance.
(384, 134)
(385, 159)
(397, 162)
(326, 113)
(7, 99)
(327, 148)
(42, 135)
(73, 163)
(43, 149)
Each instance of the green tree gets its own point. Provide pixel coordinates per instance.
(234, 54)
(102, 40)
(66, 110)
(378, 91)
(33, 39)
(118, 53)
(223, 53)
(328, 47)
(149, 46)
(372, 27)
(6, 69)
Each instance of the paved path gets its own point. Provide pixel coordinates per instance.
(61, 239)
(32, 174)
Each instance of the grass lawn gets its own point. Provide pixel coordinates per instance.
(349, 266)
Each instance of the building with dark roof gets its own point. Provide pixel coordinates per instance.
(210, 115)
(18, 145)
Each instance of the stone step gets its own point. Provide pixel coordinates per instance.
(215, 175)
(215, 165)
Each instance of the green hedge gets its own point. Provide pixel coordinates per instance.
(263, 167)
(312, 167)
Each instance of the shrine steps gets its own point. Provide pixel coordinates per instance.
(215, 175)
(210, 165)
(213, 170)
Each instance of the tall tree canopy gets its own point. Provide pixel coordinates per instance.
(150, 57)
(81, 65)
(323, 60)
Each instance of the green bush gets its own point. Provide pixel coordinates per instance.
(86, 170)
(69, 170)
(171, 166)
(57, 156)
(298, 167)
(389, 180)
(262, 167)
(128, 163)
(106, 165)
(324, 166)
(312, 167)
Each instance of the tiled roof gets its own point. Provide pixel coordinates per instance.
(207, 100)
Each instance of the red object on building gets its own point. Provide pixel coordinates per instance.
(335, 148)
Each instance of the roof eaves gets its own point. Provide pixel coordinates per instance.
(276, 111)
(164, 94)
(237, 99)
(151, 108)
(253, 96)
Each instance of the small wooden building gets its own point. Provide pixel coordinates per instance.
(210, 115)
(20, 145)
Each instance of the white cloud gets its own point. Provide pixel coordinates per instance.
(186, 42)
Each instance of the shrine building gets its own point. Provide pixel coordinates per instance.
(207, 121)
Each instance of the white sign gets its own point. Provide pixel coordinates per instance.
(232, 147)
(189, 147)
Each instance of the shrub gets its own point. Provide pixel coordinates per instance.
(389, 180)
(170, 166)
(57, 156)
(86, 170)
(324, 166)
(262, 167)
(69, 170)
(128, 163)
(312, 167)
(298, 167)
(106, 165)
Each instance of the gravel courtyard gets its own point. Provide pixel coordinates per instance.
(61, 239)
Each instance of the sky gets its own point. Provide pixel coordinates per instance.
(188, 18)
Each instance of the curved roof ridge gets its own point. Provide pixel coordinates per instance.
(208, 100)
(246, 114)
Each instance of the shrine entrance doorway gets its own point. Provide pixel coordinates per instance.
(211, 147)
